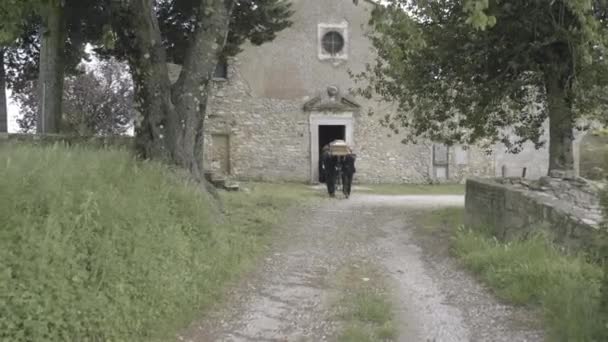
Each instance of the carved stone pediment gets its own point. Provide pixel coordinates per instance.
(332, 101)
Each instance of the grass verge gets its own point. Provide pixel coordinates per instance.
(96, 246)
(531, 272)
(364, 308)
(415, 189)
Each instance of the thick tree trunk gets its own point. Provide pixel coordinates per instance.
(561, 124)
(50, 77)
(173, 117)
(190, 92)
(3, 100)
(148, 63)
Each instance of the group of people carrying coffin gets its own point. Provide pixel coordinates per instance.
(338, 164)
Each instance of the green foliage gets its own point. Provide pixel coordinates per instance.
(460, 71)
(533, 272)
(12, 15)
(96, 100)
(444, 219)
(256, 21)
(100, 247)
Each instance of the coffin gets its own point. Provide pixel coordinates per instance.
(339, 148)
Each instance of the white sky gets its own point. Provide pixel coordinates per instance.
(13, 112)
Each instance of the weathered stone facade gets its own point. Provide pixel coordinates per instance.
(263, 123)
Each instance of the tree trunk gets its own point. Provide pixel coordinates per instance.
(190, 92)
(148, 62)
(3, 100)
(561, 124)
(173, 117)
(50, 77)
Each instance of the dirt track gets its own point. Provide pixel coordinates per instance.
(289, 298)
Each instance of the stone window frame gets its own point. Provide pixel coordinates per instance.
(332, 42)
(440, 166)
(342, 29)
(225, 63)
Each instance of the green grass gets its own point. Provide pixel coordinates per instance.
(364, 307)
(532, 273)
(415, 189)
(443, 219)
(95, 246)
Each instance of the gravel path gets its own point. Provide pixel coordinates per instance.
(289, 297)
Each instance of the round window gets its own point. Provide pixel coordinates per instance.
(333, 42)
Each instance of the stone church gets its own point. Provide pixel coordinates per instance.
(275, 106)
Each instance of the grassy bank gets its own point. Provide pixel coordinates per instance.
(97, 246)
(364, 307)
(531, 272)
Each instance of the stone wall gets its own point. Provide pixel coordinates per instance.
(513, 209)
(270, 140)
(260, 108)
(470, 162)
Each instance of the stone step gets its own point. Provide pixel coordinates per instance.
(219, 182)
(231, 186)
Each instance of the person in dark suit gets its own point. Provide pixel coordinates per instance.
(348, 170)
(328, 167)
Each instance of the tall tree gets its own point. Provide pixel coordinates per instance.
(66, 27)
(3, 99)
(11, 15)
(48, 37)
(195, 33)
(51, 65)
(97, 100)
(466, 70)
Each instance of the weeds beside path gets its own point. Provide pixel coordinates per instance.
(531, 273)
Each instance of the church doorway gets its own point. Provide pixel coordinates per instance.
(327, 134)
(324, 128)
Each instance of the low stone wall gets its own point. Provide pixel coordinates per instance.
(49, 139)
(512, 209)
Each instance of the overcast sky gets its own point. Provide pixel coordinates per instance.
(13, 111)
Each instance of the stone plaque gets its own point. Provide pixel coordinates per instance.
(220, 153)
(461, 155)
(440, 154)
(441, 172)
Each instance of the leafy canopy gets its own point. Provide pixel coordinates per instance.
(256, 21)
(462, 70)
